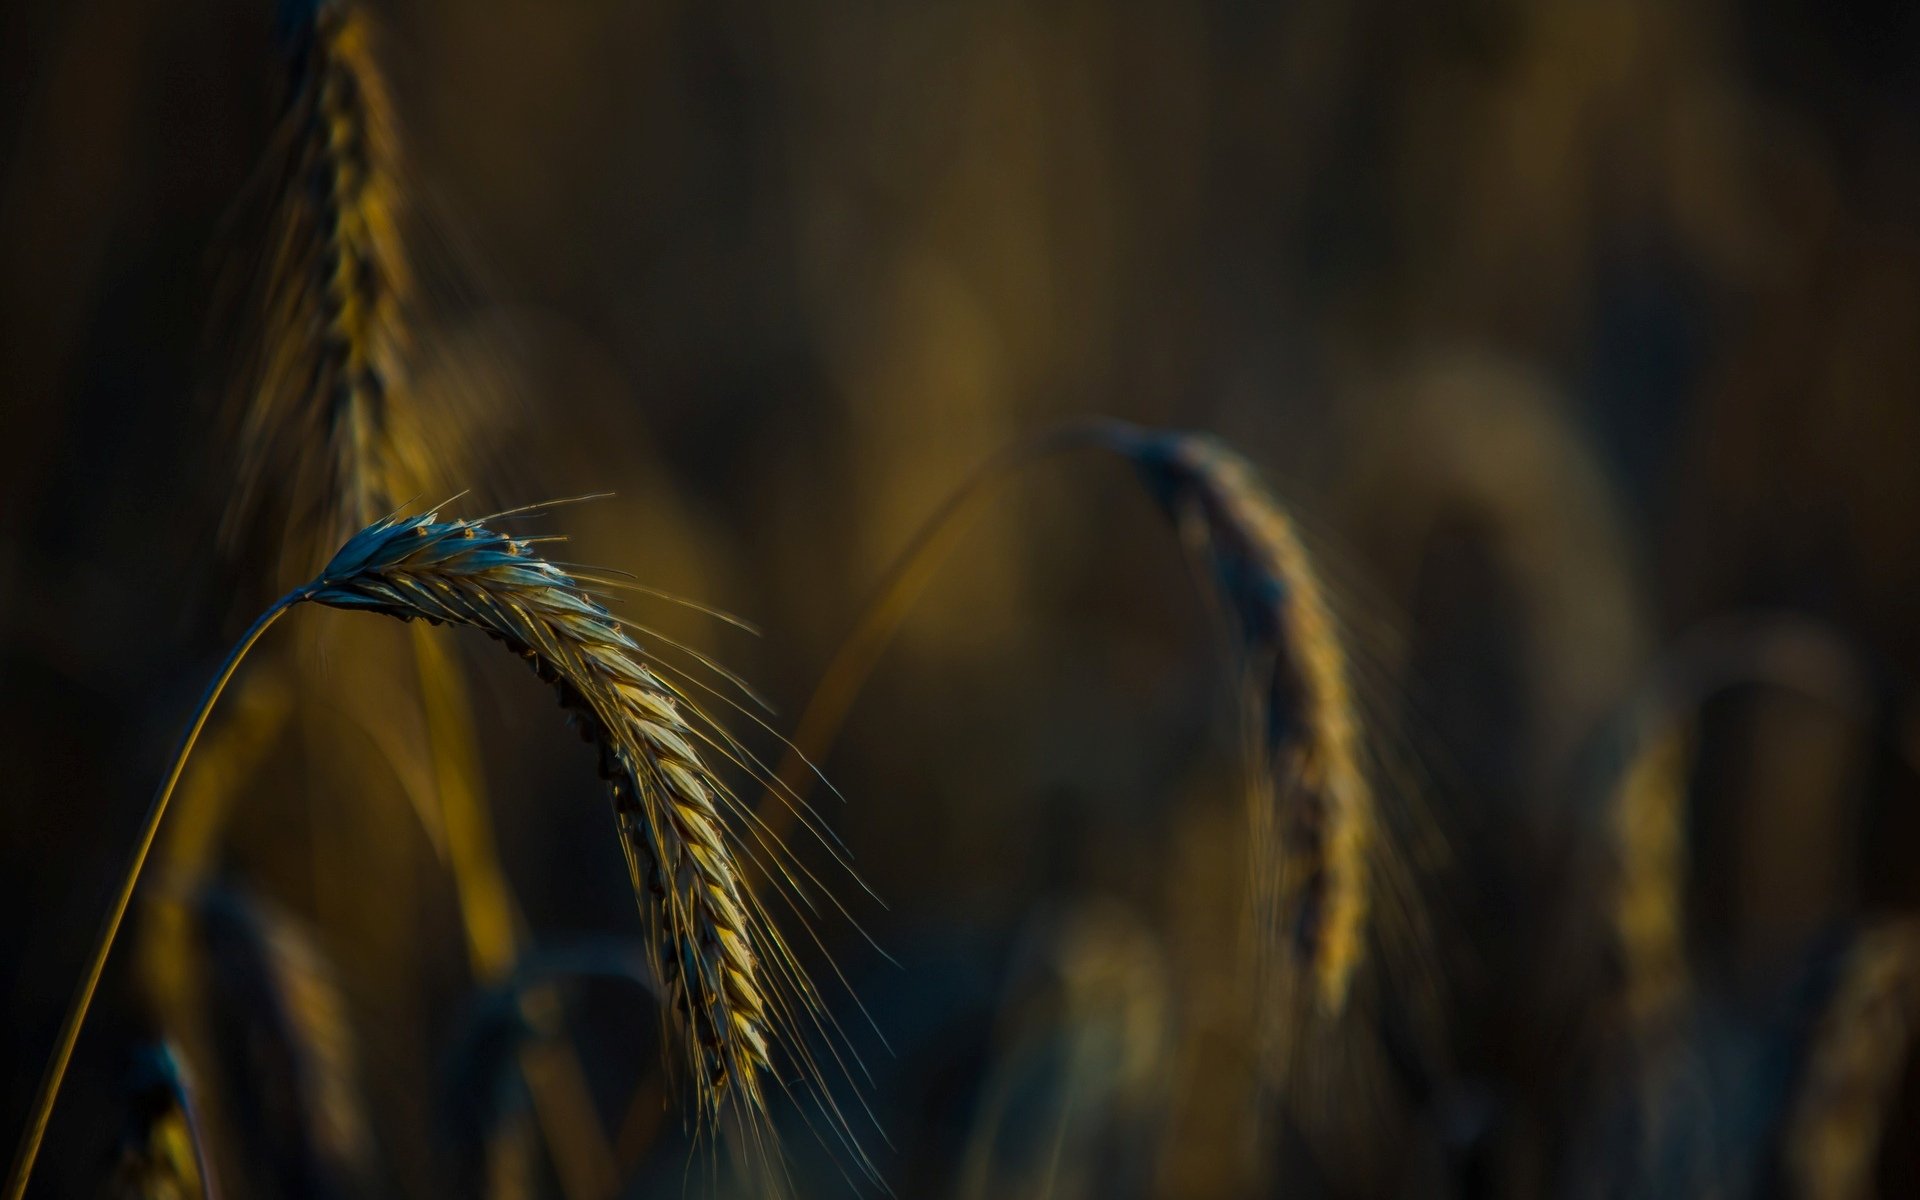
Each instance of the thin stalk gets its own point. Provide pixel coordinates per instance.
(840, 684)
(29, 1150)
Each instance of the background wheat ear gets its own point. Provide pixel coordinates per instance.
(1311, 806)
(1858, 1054)
(291, 1073)
(1077, 1088)
(1317, 856)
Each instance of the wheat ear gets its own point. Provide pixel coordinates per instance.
(1310, 801)
(727, 973)
(1648, 907)
(1852, 1075)
(1646, 812)
(666, 800)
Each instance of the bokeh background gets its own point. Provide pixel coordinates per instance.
(1577, 335)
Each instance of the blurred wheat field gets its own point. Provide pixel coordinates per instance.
(1169, 600)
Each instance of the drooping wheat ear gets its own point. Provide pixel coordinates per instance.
(294, 1070)
(162, 1151)
(329, 438)
(1852, 1072)
(1311, 805)
(666, 801)
(728, 974)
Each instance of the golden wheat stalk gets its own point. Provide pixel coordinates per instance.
(1851, 1077)
(731, 980)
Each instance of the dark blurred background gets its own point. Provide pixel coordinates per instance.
(1567, 329)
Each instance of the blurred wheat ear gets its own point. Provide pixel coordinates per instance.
(494, 1031)
(739, 993)
(291, 1055)
(1648, 904)
(1647, 807)
(327, 429)
(1851, 1077)
(1311, 807)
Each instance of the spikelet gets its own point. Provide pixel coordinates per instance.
(162, 1154)
(1852, 1072)
(1311, 806)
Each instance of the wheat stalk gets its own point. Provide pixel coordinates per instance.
(728, 975)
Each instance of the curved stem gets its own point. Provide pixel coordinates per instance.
(29, 1150)
(840, 683)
